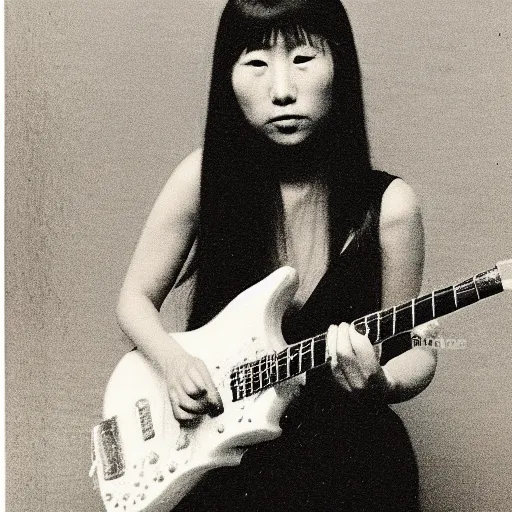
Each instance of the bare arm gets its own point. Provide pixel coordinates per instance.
(402, 243)
(357, 367)
(160, 253)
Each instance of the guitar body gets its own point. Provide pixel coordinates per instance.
(144, 459)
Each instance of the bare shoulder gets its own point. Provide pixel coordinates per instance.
(179, 197)
(402, 243)
(400, 205)
(187, 174)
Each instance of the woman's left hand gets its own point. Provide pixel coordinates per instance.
(355, 364)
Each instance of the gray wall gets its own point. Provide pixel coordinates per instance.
(105, 98)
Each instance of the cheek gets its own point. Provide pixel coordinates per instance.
(246, 95)
(321, 94)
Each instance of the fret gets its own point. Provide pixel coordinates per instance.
(294, 360)
(423, 309)
(282, 366)
(386, 324)
(252, 378)
(276, 366)
(476, 288)
(267, 370)
(263, 377)
(246, 379)
(444, 301)
(320, 354)
(403, 316)
(467, 293)
(240, 382)
(244, 382)
(234, 385)
(488, 283)
(258, 376)
(307, 354)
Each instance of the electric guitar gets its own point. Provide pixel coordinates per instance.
(144, 460)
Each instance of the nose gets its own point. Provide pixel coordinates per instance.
(283, 90)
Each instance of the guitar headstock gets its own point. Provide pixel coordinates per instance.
(505, 270)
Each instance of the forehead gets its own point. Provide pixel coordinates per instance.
(290, 37)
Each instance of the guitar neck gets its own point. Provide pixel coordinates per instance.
(387, 323)
(250, 378)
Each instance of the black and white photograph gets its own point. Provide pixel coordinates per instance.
(258, 256)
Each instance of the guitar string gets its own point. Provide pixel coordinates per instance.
(389, 313)
(377, 317)
(271, 361)
(244, 374)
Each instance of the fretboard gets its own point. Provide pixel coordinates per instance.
(250, 378)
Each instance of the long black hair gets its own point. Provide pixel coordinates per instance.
(241, 206)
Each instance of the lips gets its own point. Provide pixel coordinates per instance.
(289, 117)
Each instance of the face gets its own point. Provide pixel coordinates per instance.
(285, 93)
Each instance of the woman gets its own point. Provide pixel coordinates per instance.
(285, 178)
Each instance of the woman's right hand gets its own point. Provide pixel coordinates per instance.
(161, 252)
(191, 389)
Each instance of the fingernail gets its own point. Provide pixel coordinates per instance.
(216, 410)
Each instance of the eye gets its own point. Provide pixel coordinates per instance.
(302, 59)
(257, 63)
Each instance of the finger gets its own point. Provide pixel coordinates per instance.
(378, 351)
(342, 381)
(179, 414)
(347, 361)
(212, 393)
(429, 330)
(187, 404)
(344, 348)
(363, 350)
(332, 342)
(193, 384)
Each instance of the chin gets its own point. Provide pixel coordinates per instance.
(288, 139)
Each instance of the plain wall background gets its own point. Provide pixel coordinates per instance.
(105, 98)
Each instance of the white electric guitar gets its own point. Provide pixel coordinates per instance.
(143, 460)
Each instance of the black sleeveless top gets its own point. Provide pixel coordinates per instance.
(336, 453)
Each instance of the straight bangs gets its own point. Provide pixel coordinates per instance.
(293, 36)
(257, 25)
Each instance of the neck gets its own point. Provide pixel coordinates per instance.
(250, 378)
(294, 165)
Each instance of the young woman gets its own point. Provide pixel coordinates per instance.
(285, 177)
